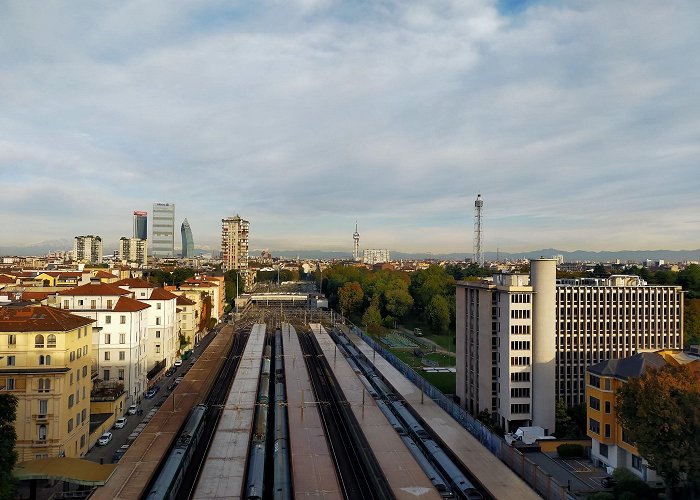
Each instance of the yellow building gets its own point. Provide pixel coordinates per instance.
(610, 447)
(187, 316)
(45, 364)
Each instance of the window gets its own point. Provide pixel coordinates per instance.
(10, 361)
(82, 439)
(520, 408)
(72, 356)
(122, 355)
(157, 334)
(43, 406)
(158, 305)
(607, 407)
(106, 375)
(122, 320)
(157, 348)
(93, 304)
(70, 425)
(122, 338)
(607, 430)
(51, 340)
(520, 377)
(39, 341)
(603, 449)
(71, 401)
(636, 462)
(10, 382)
(83, 414)
(70, 379)
(77, 419)
(106, 355)
(42, 359)
(594, 381)
(85, 371)
(44, 385)
(594, 426)
(121, 374)
(607, 384)
(84, 350)
(109, 303)
(594, 403)
(108, 320)
(108, 338)
(65, 304)
(520, 392)
(80, 302)
(12, 339)
(157, 321)
(41, 431)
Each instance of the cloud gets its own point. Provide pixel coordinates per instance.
(577, 123)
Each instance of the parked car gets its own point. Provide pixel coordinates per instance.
(178, 363)
(132, 410)
(120, 423)
(119, 453)
(105, 439)
(170, 372)
(608, 482)
(172, 386)
(178, 380)
(151, 393)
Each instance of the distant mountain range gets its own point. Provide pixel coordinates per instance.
(45, 247)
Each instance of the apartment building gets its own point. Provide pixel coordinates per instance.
(375, 256)
(87, 249)
(187, 319)
(525, 341)
(120, 333)
(609, 445)
(234, 243)
(214, 287)
(133, 250)
(45, 362)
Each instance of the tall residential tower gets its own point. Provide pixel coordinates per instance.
(163, 230)
(234, 243)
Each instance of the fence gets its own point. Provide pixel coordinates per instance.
(536, 477)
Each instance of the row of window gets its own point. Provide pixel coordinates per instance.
(520, 377)
(520, 329)
(520, 345)
(520, 408)
(594, 426)
(520, 392)
(520, 313)
(519, 360)
(107, 374)
(122, 355)
(520, 298)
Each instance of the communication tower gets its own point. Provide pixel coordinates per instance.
(356, 244)
(478, 250)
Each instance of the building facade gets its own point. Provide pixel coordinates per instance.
(87, 249)
(140, 225)
(525, 341)
(133, 250)
(45, 362)
(234, 243)
(375, 256)
(187, 241)
(163, 234)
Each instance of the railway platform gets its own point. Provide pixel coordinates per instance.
(223, 473)
(489, 471)
(406, 479)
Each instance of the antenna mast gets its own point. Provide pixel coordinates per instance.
(356, 244)
(478, 249)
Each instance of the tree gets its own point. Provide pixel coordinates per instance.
(565, 427)
(660, 412)
(692, 321)
(350, 297)
(372, 317)
(438, 313)
(689, 279)
(8, 438)
(398, 302)
(180, 274)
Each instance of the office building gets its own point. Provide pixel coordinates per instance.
(87, 249)
(133, 250)
(234, 243)
(163, 234)
(140, 225)
(187, 241)
(45, 358)
(524, 341)
(375, 256)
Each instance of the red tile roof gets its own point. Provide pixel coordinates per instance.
(39, 296)
(104, 274)
(161, 294)
(39, 319)
(184, 301)
(95, 289)
(134, 283)
(125, 304)
(5, 279)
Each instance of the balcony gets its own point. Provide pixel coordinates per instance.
(43, 417)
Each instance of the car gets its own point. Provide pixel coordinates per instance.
(119, 453)
(105, 439)
(172, 386)
(178, 380)
(608, 482)
(178, 363)
(132, 410)
(150, 393)
(120, 423)
(170, 372)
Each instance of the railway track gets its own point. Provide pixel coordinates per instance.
(358, 470)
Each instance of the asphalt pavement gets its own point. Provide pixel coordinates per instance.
(147, 407)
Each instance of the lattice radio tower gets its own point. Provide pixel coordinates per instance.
(356, 244)
(478, 249)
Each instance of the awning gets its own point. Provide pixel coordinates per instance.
(73, 470)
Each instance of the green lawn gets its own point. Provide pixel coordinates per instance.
(445, 382)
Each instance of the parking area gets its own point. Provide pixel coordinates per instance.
(579, 474)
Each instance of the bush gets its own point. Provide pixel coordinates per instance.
(569, 450)
(629, 485)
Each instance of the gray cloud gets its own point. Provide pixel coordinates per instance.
(577, 123)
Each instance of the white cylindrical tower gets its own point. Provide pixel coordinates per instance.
(543, 279)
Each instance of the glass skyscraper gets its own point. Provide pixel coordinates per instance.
(187, 241)
(163, 234)
(140, 225)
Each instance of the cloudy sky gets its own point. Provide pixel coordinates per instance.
(577, 121)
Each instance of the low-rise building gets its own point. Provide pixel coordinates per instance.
(45, 362)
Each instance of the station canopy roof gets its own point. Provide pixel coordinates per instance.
(73, 470)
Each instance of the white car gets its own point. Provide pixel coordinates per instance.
(120, 423)
(132, 410)
(105, 439)
(178, 363)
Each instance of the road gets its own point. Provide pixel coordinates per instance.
(103, 454)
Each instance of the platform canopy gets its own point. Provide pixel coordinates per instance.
(72, 470)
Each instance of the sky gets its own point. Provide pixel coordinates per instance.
(577, 121)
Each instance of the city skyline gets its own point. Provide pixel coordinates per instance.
(578, 124)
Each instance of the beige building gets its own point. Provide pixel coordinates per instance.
(87, 249)
(234, 243)
(187, 318)
(133, 250)
(45, 362)
(525, 341)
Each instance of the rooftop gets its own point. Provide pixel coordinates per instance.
(39, 319)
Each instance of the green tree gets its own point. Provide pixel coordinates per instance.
(438, 313)
(689, 279)
(8, 439)
(179, 275)
(660, 412)
(565, 427)
(398, 302)
(350, 297)
(372, 317)
(691, 321)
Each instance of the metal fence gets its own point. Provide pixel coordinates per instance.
(542, 482)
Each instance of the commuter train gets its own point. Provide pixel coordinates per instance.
(170, 478)
(255, 478)
(282, 484)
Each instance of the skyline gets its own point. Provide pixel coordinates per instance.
(577, 123)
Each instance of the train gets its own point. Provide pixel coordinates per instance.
(168, 482)
(282, 482)
(255, 478)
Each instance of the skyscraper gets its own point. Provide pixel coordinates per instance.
(163, 229)
(140, 225)
(187, 241)
(234, 243)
